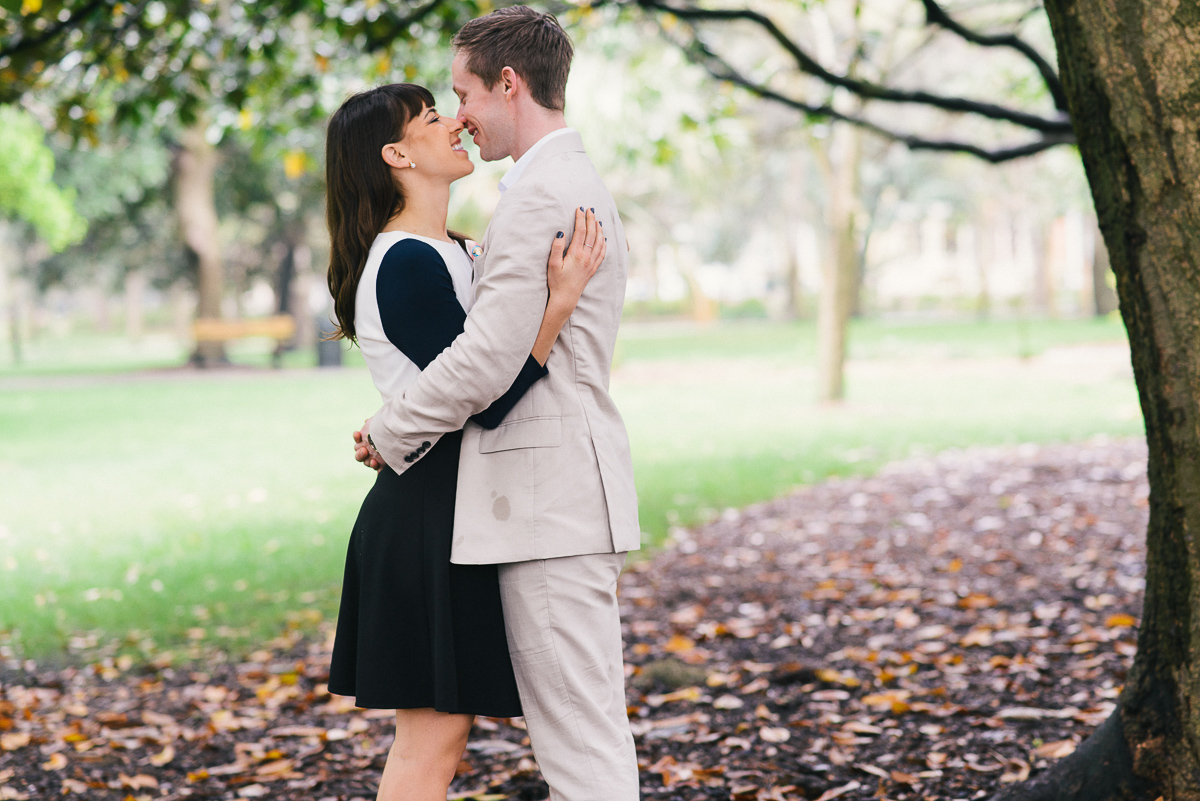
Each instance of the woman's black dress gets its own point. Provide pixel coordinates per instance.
(415, 630)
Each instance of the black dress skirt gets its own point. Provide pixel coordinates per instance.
(414, 629)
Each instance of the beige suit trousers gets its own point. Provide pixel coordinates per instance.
(564, 634)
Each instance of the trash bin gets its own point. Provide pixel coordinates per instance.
(329, 351)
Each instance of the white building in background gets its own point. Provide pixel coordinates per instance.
(1002, 263)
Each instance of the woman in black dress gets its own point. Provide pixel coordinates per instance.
(415, 632)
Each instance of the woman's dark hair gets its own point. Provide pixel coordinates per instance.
(362, 195)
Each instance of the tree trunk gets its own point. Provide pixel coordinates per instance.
(840, 265)
(1104, 299)
(1133, 81)
(135, 305)
(195, 208)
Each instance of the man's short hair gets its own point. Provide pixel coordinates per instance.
(532, 43)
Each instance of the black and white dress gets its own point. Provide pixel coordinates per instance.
(415, 630)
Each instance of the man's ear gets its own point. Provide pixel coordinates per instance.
(508, 82)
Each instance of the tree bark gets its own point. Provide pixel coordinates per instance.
(1104, 298)
(1133, 82)
(196, 210)
(840, 266)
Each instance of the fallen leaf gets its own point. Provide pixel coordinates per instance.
(874, 771)
(830, 676)
(888, 699)
(163, 757)
(690, 694)
(774, 734)
(14, 740)
(1120, 620)
(142, 781)
(904, 778)
(56, 762)
(828, 795)
(1030, 713)
(678, 644)
(1018, 771)
(1055, 750)
(756, 686)
(976, 600)
(728, 702)
(276, 767)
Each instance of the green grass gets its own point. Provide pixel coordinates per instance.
(168, 507)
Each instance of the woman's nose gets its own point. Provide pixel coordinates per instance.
(457, 126)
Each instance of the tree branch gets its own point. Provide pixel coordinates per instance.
(864, 89)
(722, 71)
(400, 24)
(936, 15)
(26, 43)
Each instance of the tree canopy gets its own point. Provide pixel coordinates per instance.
(27, 189)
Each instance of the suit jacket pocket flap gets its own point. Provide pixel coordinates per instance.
(531, 432)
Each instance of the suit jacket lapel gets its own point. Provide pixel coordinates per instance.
(570, 142)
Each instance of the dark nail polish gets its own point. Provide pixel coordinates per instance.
(581, 208)
(593, 211)
(559, 236)
(601, 223)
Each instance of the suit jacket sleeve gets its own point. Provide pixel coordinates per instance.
(421, 316)
(498, 335)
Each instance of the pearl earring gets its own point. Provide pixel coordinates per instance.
(412, 164)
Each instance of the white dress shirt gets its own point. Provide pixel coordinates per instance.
(514, 172)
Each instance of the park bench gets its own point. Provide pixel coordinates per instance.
(281, 328)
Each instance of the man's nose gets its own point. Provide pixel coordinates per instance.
(462, 116)
(457, 126)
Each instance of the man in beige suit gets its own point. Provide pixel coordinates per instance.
(549, 494)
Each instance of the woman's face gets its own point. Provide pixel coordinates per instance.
(432, 142)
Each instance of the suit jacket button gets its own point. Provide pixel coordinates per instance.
(424, 445)
(408, 459)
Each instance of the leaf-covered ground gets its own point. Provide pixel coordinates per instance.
(949, 625)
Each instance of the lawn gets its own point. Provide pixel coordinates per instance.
(142, 511)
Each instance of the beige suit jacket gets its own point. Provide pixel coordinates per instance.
(555, 478)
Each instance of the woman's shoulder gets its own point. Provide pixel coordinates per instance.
(411, 253)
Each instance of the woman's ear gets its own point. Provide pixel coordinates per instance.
(393, 157)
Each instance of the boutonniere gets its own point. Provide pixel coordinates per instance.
(476, 251)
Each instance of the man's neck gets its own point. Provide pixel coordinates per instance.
(531, 130)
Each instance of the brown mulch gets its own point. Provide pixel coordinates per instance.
(949, 625)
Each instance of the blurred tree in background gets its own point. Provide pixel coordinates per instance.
(28, 193)
(192, 74)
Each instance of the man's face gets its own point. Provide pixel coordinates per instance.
(486, 114)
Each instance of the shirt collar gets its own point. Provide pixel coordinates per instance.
(515, 171)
